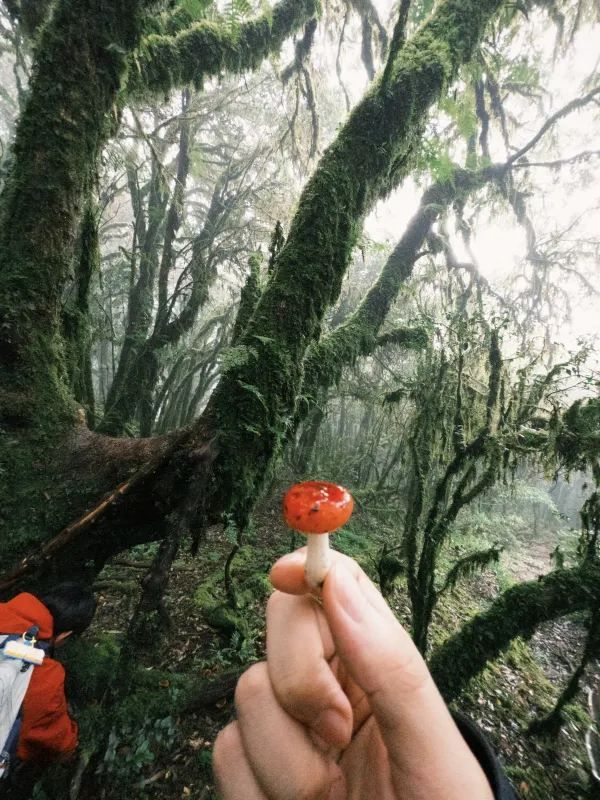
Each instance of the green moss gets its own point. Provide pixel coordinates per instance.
(210, 598)
(67, 118)
(515, 690)
(210, 48)
(224, 618)
(578, 437)
(256, 587)
(35, 499)
(76, 328)
(249, 297)
(91, 665)
(517, 612)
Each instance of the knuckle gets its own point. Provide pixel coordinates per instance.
(303, 693)
(399, 680)
(250, 684)
(276, 601)
(313, 790)
(226, 746)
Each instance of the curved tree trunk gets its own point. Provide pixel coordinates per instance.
(254, 404)
(517, 612)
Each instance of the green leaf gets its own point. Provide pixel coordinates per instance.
(196, 8)
(254, 391)
(264, 339)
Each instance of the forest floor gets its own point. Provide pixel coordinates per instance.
(159, 747)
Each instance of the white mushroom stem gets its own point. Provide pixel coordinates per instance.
(318, 559)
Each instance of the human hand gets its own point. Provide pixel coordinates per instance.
(344, 708)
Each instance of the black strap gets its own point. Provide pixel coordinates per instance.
(43, 644)
(487, 758)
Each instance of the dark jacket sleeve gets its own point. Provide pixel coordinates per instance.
(486, 757)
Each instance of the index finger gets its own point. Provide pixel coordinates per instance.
(299, 651)
(287, 574)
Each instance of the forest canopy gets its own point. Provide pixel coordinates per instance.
(243, 244)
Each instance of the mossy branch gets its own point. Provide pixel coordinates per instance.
(359, 335)
(578, 441)
(370, 20)
(437, 525)
(302, 51)
(249, 297)
(517, 612)
(253, 406)
(405, 337)
(208, 48)
(398, 37)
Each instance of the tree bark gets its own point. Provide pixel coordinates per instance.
(122, 400)
(76, 328)
(68, 117)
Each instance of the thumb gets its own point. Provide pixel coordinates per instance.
(423, 743)
(377, 651)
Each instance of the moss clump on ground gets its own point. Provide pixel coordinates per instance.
(91, 666)
(251, 587)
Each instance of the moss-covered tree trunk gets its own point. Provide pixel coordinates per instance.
(517, 612)
(58, 479)
(254, 405)
(76, 328)
(78, 71)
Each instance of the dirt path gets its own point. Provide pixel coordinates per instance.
(531, 561)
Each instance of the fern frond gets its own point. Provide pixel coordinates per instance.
(470, 565)
(236, 11)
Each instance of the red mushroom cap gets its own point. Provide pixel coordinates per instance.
(317, 507)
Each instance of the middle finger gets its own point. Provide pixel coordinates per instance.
(282, 756)
(299, 651)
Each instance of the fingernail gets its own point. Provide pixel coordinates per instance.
(332, 726)
(348, 594)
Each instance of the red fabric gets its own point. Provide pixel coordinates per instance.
(48, 733)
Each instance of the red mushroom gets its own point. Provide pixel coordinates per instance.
(316, 509)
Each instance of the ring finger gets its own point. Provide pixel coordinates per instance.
(235, 780)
